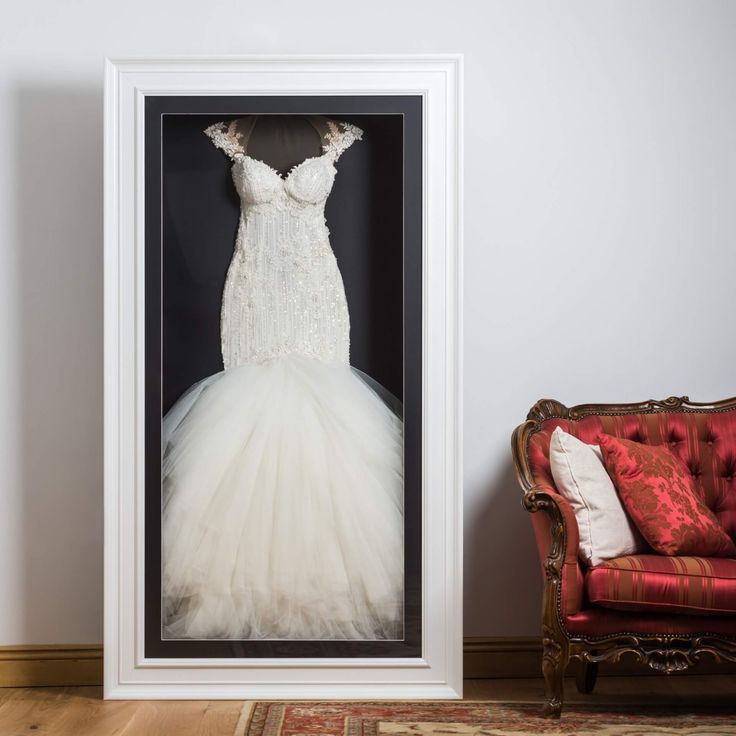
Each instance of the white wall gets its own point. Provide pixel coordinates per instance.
(600, 223)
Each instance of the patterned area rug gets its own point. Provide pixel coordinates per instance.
(478, 719)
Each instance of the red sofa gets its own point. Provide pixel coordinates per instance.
(666, 611)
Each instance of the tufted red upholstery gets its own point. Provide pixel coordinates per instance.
(706, 441)
(667, 610)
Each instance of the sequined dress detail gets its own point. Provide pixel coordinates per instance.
(283, 293)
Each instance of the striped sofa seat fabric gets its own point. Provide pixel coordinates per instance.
(679, 585)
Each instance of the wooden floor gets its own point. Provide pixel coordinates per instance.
(82, 712)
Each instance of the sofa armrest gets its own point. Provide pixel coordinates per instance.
(556, 531)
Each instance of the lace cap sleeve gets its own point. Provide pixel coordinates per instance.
(339, 137)
(227, 138)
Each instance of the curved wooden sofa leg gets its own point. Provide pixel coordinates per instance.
(586, 677)
(555, 658)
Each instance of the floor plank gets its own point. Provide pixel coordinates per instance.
(82, 712)
(34, 711)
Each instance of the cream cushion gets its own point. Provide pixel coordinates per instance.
(580, 476)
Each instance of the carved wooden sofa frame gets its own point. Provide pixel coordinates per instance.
(664, 653)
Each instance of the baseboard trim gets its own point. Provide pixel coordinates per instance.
(51, 665)
(501, 657)
(483, 658)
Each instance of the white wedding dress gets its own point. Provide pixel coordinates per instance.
(283, 474)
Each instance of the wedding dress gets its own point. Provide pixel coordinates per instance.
(283, 474)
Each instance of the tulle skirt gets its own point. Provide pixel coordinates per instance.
(283, 506)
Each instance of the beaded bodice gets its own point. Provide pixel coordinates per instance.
(283, 293)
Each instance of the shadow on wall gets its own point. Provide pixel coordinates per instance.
(503, 580)
(58, 174)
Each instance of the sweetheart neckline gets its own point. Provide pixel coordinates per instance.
(285, 178)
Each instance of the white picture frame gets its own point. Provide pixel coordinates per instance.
(437, 674)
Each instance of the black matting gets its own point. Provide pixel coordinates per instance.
(190, 225)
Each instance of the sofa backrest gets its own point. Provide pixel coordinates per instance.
(703, 436)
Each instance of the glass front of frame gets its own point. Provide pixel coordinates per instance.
(283, 384)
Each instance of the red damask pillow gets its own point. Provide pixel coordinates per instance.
(659, 494)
